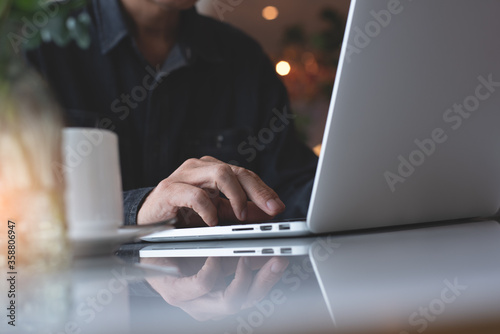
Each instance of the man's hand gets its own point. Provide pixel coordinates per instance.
(201, 288)
(197, 184)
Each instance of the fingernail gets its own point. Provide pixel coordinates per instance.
(273, 205)
(279, 267)
(244, 214)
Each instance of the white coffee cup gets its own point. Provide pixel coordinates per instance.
(93, 198)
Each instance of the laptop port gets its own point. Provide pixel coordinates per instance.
(287, 250)
(268, 251)
(284, 227)
(243, 251)
(266, 228)
(242, 229)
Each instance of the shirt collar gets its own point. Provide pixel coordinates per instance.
(110, 23)
(195, 39)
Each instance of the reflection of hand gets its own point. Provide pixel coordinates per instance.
(204, 293)
(197, 184)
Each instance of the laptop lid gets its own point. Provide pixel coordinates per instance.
(412, 133)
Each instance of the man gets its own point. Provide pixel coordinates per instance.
(176, 86)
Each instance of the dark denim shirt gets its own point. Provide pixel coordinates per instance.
(217, 94)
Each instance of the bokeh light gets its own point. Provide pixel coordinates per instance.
(270, 13)
(283, 68)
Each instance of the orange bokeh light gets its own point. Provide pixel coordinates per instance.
(270, 13)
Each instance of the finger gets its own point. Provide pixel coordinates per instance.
(185, 195)
(236, 292)
(226, 181)
(208, 158)
(255, 214)
(213, 194)
(168, 264)
(265, 279)
(257, 262)
(193, 287)
(258, 192)
(227, 300)
(187, 217)
(190, 266)
(229, 264)
(209, 172)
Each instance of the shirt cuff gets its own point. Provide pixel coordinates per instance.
(132, 202)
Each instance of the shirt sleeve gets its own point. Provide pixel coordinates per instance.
(132, 201)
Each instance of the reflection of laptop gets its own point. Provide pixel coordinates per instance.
(230, 248)
(412, 132)
(414, 280)
(371, 280)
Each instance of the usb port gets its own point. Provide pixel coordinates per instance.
(266, 228)
(287, 250)
(284, 227)
(268, 251)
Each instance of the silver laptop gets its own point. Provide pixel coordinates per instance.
(413, 130)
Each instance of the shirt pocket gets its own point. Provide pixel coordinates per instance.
(225, 145)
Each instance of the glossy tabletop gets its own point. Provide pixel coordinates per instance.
(442, 279)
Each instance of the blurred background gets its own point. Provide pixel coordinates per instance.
(303, 39)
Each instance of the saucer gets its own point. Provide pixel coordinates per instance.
(105, 242)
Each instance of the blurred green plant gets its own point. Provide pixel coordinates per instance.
(25, 24)
(330, 39)
(327, 41)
